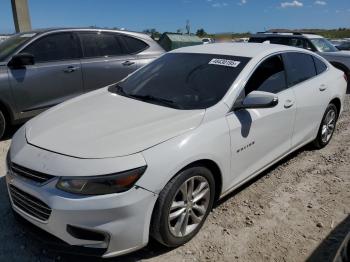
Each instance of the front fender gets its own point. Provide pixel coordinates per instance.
(210, 141)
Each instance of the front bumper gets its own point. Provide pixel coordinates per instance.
(122, 218)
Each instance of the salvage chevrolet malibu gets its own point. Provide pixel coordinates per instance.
(148, 156)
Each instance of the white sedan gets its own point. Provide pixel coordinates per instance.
(148, 156)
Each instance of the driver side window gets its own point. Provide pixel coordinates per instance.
(270, 76)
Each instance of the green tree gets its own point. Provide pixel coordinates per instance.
(152, 32)
(201, 32)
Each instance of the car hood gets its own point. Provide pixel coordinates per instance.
(104, 125)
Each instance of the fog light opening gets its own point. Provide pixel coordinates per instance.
(87, 234)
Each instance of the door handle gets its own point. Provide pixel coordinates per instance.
(128, 63)
(323, 87)
(289, 103)
(70, 69)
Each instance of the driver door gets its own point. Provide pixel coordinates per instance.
(55, 77)
(260, 136)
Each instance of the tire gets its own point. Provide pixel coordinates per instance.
(165, 230)
(2, 124)
(322, 138)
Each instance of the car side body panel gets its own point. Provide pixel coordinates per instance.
(43, 85)
(6, 97)
(210, 141)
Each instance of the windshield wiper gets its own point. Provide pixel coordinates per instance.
(150, 98)
(147, 98)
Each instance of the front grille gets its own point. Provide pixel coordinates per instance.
(30, 174)
(29, 204)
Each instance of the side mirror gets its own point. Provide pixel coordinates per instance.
(21, 60)
(258, 99)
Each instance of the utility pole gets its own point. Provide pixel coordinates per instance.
(21, 15)
(188, 27)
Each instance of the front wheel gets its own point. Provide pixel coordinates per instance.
(327, 127)
(183, 206)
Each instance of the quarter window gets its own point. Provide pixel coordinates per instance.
(300, 67)
(100, 44)
(269, 77)
(320, 66)
(62, 46)
(133, 45)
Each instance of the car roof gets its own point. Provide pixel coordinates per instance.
(236, 49)
(287, 35)
(61, 29)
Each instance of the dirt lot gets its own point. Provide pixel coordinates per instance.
(298, 210)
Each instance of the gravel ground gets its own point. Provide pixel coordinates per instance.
(298, 210)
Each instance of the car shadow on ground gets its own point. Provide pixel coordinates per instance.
(327, 250)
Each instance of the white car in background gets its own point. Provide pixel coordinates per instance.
(207, 40)
(149, 156)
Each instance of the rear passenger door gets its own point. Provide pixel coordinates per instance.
(137, 49)
(305, 76)
(105, 60)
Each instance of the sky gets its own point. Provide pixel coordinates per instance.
(215, 16)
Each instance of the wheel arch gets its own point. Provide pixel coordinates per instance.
(214, 168)
(341, 67)
(337, 102)
(6, 111)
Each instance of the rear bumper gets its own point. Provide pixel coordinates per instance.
(123, 219)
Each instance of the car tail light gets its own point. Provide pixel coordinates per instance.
(345, 77)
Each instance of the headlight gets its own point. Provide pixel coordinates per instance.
(101, 185)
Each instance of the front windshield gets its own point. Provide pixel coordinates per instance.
(323, 45)
(11, 44)
(183, 80)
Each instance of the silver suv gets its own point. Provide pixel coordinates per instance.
(42, 68)
(309, 41)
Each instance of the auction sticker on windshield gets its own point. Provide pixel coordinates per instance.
(224, 62)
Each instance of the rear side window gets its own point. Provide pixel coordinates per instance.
(62, 46)
(300, 67)
(256, 40)
(280, 40)
(133, 45)
(98, 44)
(270, 77)
(320, 66)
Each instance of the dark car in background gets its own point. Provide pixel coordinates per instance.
(43, 68)
(309, 41)
(344, 46)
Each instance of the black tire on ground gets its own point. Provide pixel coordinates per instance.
(2, 124)
(318, 142)
(160, 227)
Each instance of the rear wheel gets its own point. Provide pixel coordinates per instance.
(183, 206)
(327, 127)
(2, 124)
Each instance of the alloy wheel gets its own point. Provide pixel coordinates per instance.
(189, 206)
(328, 126)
